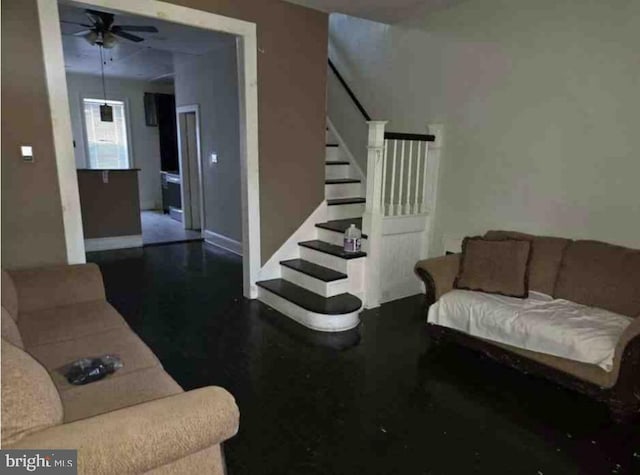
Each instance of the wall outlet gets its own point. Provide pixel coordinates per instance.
(213, 158)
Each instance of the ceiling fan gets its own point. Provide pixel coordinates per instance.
(103, 32)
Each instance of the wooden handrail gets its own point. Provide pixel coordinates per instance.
(349, 91)
(403, 136)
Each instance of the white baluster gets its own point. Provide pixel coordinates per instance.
(416, 208)
(384, 179)
(399, 207)
(392, 210)
(407, 203)
(425, 179)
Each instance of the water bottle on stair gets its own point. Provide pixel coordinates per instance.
(352, 239)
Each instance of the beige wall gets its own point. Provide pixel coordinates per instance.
(32, 229)
(292, 44)
(540, 102)
(109, 209)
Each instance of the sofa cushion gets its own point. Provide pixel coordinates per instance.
(117, 391)
(546, 257)
(498, 267)
(122, 342)
(10, 330)
(30, 401)
(602, 275)
(9, 295)
(539, 323)
(68, 323)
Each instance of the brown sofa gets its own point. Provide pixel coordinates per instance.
(138, 420)
(587, 272)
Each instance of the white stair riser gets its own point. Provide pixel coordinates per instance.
(337, 171)
(354, 268)
(325, 323)
(333, 153)
(343, 190)
(326, 289)
(355, 210)
(337, 238)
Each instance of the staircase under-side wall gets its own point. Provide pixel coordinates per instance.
(323, 287)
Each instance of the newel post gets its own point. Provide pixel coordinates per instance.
(372, 219)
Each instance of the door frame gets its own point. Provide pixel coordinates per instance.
(245, 33)
(184, 166)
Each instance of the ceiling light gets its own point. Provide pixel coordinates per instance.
(108, 40)
(91, 37)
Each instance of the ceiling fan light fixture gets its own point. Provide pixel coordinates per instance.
(91, 37)
(109, 40)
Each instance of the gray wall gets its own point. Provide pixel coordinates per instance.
(211, 82)
(144, 144)
(540, 103)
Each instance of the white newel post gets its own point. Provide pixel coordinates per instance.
(372, 219)
(431, 184)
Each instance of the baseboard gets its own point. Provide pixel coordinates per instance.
(224, 242)
(290, 249)
(115, 242)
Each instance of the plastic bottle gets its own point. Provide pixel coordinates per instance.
(352, 239)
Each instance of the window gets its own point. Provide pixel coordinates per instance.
(106, 141)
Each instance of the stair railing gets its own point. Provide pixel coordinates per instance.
(401, 189)
(402, 173)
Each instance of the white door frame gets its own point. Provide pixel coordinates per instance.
(61, 120)
(186, 171)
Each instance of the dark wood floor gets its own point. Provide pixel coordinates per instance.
(375, 400)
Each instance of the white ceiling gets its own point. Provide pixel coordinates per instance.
(149, 60)
(384, 11)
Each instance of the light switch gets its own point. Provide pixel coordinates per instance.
(26, 151)
(213, 158)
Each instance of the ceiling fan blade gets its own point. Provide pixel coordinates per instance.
(76, 23)
(128, 36)
(82, 33)
(146, 29)
(100, 18)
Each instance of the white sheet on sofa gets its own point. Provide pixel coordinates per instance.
(539, 323)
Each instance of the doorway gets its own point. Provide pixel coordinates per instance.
(190, 162)
(246, 40)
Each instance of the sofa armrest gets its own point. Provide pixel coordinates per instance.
(438, 274)
(138, 438)
(56, 286)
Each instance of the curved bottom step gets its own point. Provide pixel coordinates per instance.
(303, 306)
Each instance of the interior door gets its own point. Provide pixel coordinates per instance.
(188, 123)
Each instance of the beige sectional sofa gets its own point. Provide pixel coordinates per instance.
(138, 420)
(591, 273)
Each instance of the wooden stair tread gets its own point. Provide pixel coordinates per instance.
(337, 305)
(345, 201)
(336, 162)
(340, 181)
(341, 225)
(332, 249)
(332, 145)
(314, 270)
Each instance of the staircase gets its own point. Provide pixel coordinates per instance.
(323, 287)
